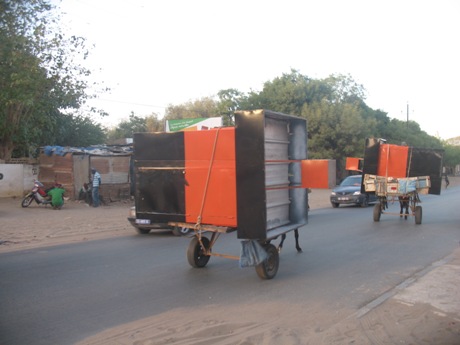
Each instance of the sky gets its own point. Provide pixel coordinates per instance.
(156, 53)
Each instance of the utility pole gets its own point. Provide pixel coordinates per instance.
(407, 115)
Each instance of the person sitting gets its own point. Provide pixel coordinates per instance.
(57, 196)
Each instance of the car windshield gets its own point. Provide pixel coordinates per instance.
(351, 181)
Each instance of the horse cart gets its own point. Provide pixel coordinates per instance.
(400, 173)
(404, 191)
(250, 179)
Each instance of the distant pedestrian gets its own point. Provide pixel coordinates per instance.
(95, 188)
(446, 178)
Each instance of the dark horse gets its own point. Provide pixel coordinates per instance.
(297, 246)
(404, 203)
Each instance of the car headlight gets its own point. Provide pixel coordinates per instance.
(333, 193)
(132, 212)
(357, 192)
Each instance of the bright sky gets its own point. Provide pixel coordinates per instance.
(155, 53)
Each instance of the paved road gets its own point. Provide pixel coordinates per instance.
(62, 294)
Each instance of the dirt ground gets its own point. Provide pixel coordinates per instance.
(427, 311)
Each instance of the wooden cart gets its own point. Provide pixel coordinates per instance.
(204, 237)
(404, 191)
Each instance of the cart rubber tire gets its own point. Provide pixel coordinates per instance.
(269, 267)
(195, 254)
(27, 201)
(418, 214)
(377, 212)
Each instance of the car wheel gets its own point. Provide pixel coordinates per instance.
(142, 231)
(335, 204)
(365, 201)
(180, 231)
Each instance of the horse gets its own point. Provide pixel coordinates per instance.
(404, 204)
(297, 246)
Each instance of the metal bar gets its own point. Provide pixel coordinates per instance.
(159, 168)
(205, 227)
(398, 214)
(284, 187)
(227, 256)
(283, 161)
(277, 141)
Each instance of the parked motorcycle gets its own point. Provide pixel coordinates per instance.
(38, 193)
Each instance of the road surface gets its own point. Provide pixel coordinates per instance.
(64, 294)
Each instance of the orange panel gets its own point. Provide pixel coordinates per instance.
(214, 199)
(393, 161)
(354, 164)
(315, 173)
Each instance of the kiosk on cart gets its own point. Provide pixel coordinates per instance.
(250, 178)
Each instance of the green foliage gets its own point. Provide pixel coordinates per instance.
(39, 78)
(204, 107)
(231, 100)
(153, 124)
(338, 119)
(78, 131)
(451, 156)
(126, 129)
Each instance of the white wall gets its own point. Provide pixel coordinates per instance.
(17, 180)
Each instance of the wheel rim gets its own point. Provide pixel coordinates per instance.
(27, 201)
(196, 254)
(269, 267)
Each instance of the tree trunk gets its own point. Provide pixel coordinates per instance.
(6, 149)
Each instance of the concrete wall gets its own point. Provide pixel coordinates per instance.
(17, 180)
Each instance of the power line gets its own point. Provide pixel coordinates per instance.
(131, 103)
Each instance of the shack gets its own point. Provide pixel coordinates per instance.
(71, 167)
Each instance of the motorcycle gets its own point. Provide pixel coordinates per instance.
(38, 193)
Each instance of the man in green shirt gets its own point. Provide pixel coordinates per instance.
(57, 199)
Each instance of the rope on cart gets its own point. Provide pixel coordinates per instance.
(197, 226)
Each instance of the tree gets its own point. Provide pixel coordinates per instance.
(127, 128)
(153, 124)
(204, 107)
(76, 130)
(451, 157)
(231, 100)
(39, 79)
(337, 131)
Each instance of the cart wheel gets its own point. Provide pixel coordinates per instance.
(377, 212)
(195, 253)
(269, 267)
(418, 214)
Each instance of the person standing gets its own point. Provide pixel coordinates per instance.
(95, 189)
